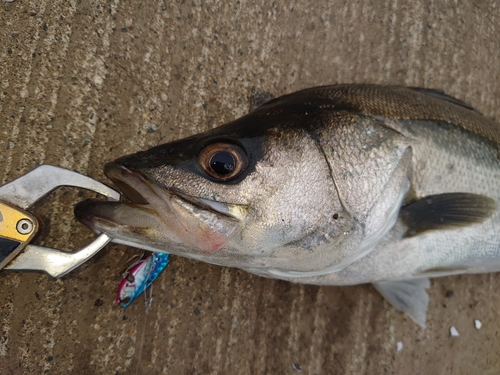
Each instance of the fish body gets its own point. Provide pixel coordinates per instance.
(335, 185)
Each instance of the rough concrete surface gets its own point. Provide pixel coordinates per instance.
(83, 82)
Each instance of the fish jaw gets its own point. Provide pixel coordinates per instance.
(160, 218)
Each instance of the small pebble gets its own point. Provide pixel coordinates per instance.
(478, 324)
(454, 332)
(399, 346)
(297, 367)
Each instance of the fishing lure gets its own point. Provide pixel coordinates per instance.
(140, 277)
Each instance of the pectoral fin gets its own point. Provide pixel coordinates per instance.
(408, 296)
(446, 211)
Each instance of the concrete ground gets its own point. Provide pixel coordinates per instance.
(83, 82)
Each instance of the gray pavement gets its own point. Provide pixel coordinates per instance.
(83, 82)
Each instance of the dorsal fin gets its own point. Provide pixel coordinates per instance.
(259, 97)
(440, 94)
(399, 104)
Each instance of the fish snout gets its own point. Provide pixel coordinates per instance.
(84, 212)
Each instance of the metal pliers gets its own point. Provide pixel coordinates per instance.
(18, 227)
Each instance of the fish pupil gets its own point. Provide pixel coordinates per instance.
(222, 163)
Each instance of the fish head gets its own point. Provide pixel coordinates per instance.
(256, 193)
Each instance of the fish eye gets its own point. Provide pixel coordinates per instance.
(223, 161)
(125, 300)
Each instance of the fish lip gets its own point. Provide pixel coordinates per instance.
(120, 176)
(126, 179)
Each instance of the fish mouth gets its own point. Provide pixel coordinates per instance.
(160, 218)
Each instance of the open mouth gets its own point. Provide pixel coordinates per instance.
(136, 188)
(167, 215)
